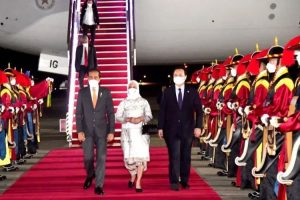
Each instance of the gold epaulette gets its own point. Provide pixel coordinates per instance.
(287, 82)
(5, 91)
(263, 82)
(244, 83)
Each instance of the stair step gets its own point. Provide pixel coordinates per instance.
(109, 26)
(113, 20)
(112, 14)
(111, 3)
(111, 81)
(119, 95)
(110, 30)
(114, 74)
(111, 36)
(112, 61)
(111, 48)
(110, 54)
(110, 67)
(111, 9)
(110, 41)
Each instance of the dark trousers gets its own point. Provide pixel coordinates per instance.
(92, 29)
(88, 150)
(220, 156)
(82, 72)
(179, 150)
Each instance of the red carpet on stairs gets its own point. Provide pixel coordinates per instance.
(60, 175)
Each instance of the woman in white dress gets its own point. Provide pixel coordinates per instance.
(133, 112)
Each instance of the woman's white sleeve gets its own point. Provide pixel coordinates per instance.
(147, 112)
(120, 114)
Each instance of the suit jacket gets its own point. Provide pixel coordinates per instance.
(92, 59)
(100, 120)
(95, 12)
(176, 122)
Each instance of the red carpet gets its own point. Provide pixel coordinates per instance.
(60, 175)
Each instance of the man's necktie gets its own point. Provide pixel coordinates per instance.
(179, 98)
(86, 57)
(94, 97)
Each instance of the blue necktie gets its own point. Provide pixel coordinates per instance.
(179, 98)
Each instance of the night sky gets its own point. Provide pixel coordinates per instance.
(27, 62)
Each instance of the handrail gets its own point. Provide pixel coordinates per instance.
(70, 20)
(73, 41)
(132, 46)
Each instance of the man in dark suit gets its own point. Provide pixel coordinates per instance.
(177, 125)
(95, 121)
(85, 58)
(89, 18)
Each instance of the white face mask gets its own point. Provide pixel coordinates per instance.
(233, 72)
(298, 59)
(32, 83)
(178, 80)
(271, 67)
(93, 83)
(297, 53)
(133, 93)
(198, 79)
(13, 81)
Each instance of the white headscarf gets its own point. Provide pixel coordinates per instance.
(133, 94)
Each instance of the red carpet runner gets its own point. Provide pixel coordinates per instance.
(60, 175)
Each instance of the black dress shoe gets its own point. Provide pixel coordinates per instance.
(130, 184)
(99, 191)
(138, 189)
(222, 173)
(185, 186)
(233, 183)
(174, 187)
(87, 183)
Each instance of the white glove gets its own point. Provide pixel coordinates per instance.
(11, 109)
(2, 108)
(235, 105)
(274, 122)
(207, 110)
(247, 110)
(40, 101)
(34, 106)
(49, 79)
(240, 111)
(218, 104)
(229, 105)
(264, 119)
(17, 109)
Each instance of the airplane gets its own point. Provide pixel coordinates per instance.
(167, 31)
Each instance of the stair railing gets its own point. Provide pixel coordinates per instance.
(74, 27)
